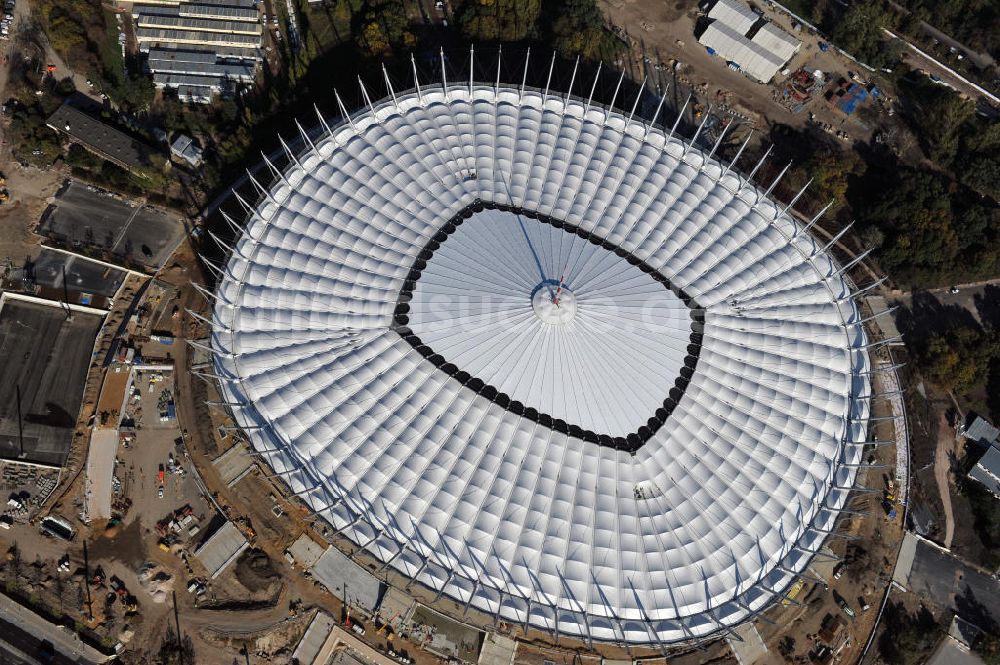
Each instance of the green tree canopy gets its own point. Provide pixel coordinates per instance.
(957, 359)
(578, 29)
(384, 26)
(499, 20)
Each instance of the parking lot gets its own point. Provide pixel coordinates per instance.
(46, 354)
(948, 581)
(86, 217)
(82, 276)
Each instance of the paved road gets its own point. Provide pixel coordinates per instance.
(969, 297)
(981, 60)
(24, 631)
(954, 584)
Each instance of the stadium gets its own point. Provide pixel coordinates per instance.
(550, 361)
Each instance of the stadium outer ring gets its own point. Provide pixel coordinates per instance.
(769, 588)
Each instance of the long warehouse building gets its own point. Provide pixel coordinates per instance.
(200, 48)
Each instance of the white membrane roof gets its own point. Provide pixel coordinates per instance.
(473, 305)
(422, 466)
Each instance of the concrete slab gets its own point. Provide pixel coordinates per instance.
(951, 652)
(305, 551)
(347, 580)
(499, 650)
(396, 608)
(315, 637)
(901, 574)
(950, 582)
(82, 276)
(100, 471)
(234, 464)
(221, 549)
(444, 636)
(751, 649)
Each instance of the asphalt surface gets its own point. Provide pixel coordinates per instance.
(23, 631)
(952, 583)
(47, 355)
(82, 276)
(84, 216)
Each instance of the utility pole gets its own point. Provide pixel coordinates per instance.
(20, 426)
(86, 581)
(69, 312)
(177, 624)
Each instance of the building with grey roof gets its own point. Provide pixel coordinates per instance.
(221, 549)
(311, 645)
(772, 38)
(200, 64)
(982, 431)
(348, 581)
(987, 470)
(193, 94)
(186, 23)
(196, 37)
(735, 14)
(220, 12)
(200, 48)
(99, 138)
(185, 148)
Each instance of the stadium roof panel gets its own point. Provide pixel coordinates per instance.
(429, 469)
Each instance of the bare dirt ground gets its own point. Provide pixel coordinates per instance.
(665, 31)
(943, 461)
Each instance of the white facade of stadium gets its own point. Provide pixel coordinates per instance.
(468, 434)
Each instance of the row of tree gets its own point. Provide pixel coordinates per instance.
(572, 27)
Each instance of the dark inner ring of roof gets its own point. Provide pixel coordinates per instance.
(632, 441)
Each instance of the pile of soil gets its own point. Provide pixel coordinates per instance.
(255, 571)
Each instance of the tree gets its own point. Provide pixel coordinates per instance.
(384, 26)
(988, 648)
(499, 20)
(859, 31)
(912, 209)
(982, 173)
(957, 359)
(578, 29)
(908, 639)
(937, 115)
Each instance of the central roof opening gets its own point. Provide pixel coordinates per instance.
(551, 323)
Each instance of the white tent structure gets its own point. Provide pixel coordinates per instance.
(548, 360)
(751, 57)
(735, 14)
(776, 41)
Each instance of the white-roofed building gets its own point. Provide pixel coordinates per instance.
(753, 59)
(546, 362)
(772, 38)
(735, 14)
